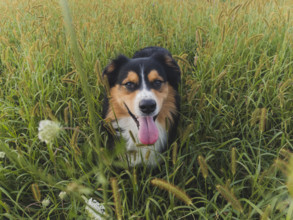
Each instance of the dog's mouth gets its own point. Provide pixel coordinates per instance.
(148, 132)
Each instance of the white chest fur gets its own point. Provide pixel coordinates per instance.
(149, 155)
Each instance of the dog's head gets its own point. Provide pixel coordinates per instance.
(145, 89)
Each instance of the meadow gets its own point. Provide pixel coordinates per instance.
(232, 158)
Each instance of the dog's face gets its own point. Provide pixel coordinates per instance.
(144, 89)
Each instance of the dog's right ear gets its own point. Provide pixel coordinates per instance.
(113, 68)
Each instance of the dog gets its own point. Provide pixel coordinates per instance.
(143, 102)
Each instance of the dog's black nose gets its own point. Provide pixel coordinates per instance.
(147, 106)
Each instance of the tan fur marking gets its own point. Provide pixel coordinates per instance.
(131, 77)
(154, 75)
(118, 96)
(169, 61)
(166, 99)
(110, 67)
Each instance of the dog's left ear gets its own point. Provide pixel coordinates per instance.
(111, 71)
(171, 68)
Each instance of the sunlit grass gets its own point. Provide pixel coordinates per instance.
(236, 109)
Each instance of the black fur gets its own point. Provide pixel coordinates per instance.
(149, 51)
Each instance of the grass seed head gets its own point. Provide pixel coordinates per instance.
(117, 200)
(289, 173)
(36, 192)
(230, 197)
(262, 122)
(203, 166)
(174, 152)
(147, 155)
(255, 116)
(73, 142)
(179, 193)
(233, 161)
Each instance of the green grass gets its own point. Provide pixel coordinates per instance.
(237, 63)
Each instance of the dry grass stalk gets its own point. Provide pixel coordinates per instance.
(188, 181)
(132, 136)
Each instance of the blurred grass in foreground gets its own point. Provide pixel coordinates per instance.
(237, 99)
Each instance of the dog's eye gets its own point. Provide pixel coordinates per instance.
(130, 85)
(157, 84)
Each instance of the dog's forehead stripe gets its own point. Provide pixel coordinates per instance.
(154, 75)
(131, 77)
(142, 77)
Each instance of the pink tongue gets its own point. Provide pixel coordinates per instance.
(148, 132)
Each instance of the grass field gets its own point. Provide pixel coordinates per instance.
(232, 158)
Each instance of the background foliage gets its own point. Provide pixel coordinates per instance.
(236, 128)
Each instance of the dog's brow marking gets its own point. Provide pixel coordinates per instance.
(154, 75)
(132, 77)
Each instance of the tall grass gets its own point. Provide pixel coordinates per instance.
(236, 117)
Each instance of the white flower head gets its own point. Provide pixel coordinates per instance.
(46, 202)
(48, 130)
(93, 207)
(2, 154)
(62, 195)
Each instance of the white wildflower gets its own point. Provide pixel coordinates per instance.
(2, 154)
(62, 195)
(93, 207)
(46, 202)
(48, 130)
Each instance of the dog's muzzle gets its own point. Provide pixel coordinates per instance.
(148, 132)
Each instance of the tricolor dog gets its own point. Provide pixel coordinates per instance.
(143, 102)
